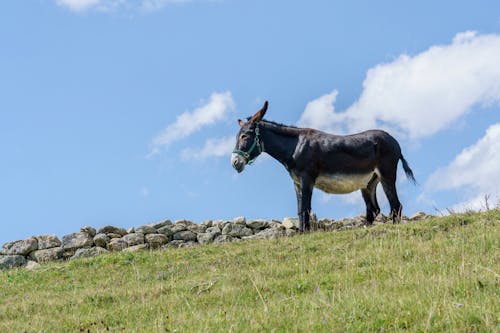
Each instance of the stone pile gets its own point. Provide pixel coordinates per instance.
(90, 242)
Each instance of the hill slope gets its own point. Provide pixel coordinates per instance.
(437, 275)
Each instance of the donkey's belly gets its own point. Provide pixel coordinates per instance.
(342, 183)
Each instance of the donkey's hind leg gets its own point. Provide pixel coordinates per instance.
(396, 207)
(388, 180)
(370, 196)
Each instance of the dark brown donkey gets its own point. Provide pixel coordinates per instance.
(332, 163)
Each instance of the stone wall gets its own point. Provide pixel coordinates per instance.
(89, 242)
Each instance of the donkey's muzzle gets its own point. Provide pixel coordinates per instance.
(238, 162)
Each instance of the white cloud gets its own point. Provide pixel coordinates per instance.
(476, 203)
(217, 107)
(84, 5)
(110, 5)
(475, 172)
(320, 113)
(213, 148)
(152, 5)
(354, 198)
(419, 95)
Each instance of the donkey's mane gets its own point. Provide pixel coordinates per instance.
(279, 128)
(278, 124)
(275, 123)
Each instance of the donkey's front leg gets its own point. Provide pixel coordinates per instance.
(304, 195)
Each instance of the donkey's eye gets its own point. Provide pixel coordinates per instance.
(243, 136)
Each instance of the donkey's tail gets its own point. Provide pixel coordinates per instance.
(407, 170)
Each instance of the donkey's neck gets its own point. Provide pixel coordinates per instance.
(279, 141)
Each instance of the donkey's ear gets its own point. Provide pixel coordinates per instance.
(241, 122)
(260, 114)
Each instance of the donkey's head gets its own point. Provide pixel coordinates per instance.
(248, 144)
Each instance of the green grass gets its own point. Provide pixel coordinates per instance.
(440, 275)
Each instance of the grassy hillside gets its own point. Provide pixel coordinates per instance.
(438, 275)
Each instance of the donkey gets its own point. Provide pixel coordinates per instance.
(333, 163)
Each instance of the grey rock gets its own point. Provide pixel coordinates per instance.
(130, 230)
(240, 220)
(31, 265)
(329, 224)
(173, 244)
(117, 244)
(21, 247)
(269, 233)
(207, 237)
(236, 230)
(179, 244)
(225, 239)
(109, 229)
(184, 222)
(350, 223)
(178, 228)
(47, 241)
(167, 231)
(418, 216)
(217, 222)
(220, 224)
(188, 244)
(207, 223)
(347, 222)
(101, 240)
(113, 235)
(90, 252)
(257, 224)
(360, 219)
(197, 228)
(181, 225)
(145, 229)
(161, 224)
(155, 241)
(137, 247)
(253, 237)
(67, 254)
(46, 255)
(291, 222)
(215, 230)
(381, 218)
(359, 222)
(134, 239)
(186, 235)
(5, 246)
(89, 230)
(11, 261)
(76, 241)
(274, 224)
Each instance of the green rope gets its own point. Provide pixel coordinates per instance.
(256, 143)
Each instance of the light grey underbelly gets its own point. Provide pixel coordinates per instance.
(339, 183)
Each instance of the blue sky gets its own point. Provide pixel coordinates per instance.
(123, 112)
